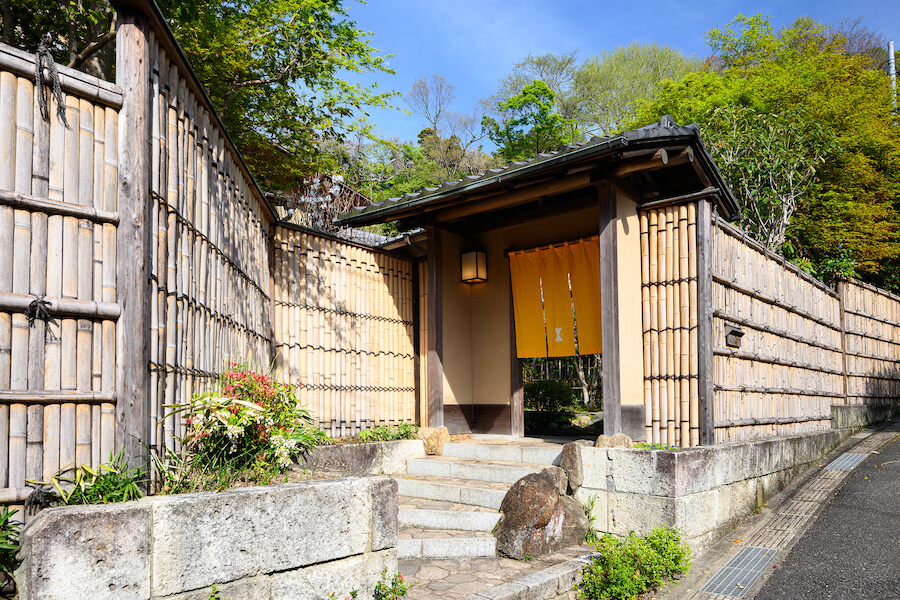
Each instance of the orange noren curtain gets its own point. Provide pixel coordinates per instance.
(531, 338)
(557, 302)
(584, 261)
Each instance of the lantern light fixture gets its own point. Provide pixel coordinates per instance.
(474, 266)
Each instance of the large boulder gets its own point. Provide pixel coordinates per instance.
(434, 439)
(619, 440)
(538, 518)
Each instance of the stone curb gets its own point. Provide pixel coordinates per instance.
(545, 584)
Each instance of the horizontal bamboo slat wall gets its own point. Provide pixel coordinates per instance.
(210, 304)
(789, 369)
(58, 202)
(670, 313)
(872, 343)
(344, 327)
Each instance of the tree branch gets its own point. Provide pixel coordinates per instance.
(94, 46)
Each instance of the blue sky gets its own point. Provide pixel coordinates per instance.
(474, 43)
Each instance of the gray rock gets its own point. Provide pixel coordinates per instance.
(570, 462)
(615, 441)
(538, 518)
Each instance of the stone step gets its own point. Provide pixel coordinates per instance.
(449, 547)
(536, 454)
(475, 493)
(471, 469)
(459, 520)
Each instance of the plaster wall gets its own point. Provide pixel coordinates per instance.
(456, 324)
(631, 355)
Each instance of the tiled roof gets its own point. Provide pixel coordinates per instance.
(666, 129)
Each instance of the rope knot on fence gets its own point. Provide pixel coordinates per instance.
(37, 310)
(44, 61)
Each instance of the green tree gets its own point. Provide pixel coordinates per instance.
(278, 72)
(612, 86)
(280, 78)
(529, 124)
(603, 92)
(840, 95)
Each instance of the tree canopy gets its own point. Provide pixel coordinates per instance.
(602, 93)
(819, 120)
(277, 71)
(529, 123)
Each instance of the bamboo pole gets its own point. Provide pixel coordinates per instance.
(694, 316)
(654, 323)
(670, 316)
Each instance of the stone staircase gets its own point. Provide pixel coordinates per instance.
(449, 505)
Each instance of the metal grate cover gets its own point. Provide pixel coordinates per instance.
(736, 577)
(846, 461)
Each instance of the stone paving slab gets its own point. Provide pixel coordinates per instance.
(418, 533)
(425, 504)
(458, 578)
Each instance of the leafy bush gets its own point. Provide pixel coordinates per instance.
(249, 429)
(389, 589)
(384, 433)
(114, 481)
(9, 542)
(552, 396)
(625, 569)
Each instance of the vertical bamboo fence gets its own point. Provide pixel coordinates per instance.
(670, 313)
(58, 203)
(209, 263)
(345, 330)
(871, 343)
(789, 369)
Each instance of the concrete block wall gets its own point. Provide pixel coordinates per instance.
(280, 542)
(702, 491)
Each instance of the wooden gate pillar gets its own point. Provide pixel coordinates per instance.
(133, 237)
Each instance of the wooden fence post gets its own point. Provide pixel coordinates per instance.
(133, 237)
(435, 370)
(609, 309)
(705, 342)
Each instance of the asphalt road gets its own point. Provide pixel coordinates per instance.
(852, 550)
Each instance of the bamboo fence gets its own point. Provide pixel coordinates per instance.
(789, 369)
(209, 264)
(345, 330)
(871, 343)
(58, 202)
(670, 313)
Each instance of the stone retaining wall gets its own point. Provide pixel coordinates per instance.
(280, 542)
(371, 458)
(702, 491)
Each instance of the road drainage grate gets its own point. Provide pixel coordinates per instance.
(846, 461)
(736, 577)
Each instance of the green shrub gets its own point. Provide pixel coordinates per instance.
(552, 396)
(9, 542)
(625, 569)
(384, 433)
(114, 481)
(248, 430)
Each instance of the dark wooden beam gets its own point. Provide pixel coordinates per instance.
(660, 159)
(531, 212)
(705, 343)
(518, 196)
(609, 309)
(435, 367)
(133, 237)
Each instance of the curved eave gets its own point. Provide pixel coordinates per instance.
(662, 134)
